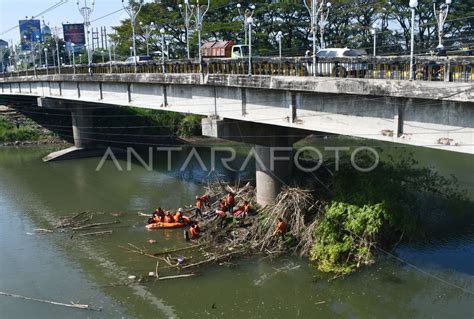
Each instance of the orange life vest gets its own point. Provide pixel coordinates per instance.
(281, 227)
(230, 199)
(193, 232)
(199, 203)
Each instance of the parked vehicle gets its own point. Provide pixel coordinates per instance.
(339, 69)
(224, 49)
(138, 58)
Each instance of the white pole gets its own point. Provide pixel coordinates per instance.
(413, 5)
(250, 22)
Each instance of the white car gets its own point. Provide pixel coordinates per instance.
(138, 58)
(342, 69)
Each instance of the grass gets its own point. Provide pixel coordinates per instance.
(9, 132)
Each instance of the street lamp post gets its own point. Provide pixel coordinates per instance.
(162, 32)
(110, 55)
(413, 4)
(147, 33)
(131, 51)
(323, 21)
(244, 16)
(86, 12)
(250, 23)
(199, 14)
(56, 38)
(278, 37)
(73, 57)
(188, 14)
(373, 31)
(133, 8)
(80, 58)
(46, 59)
(313, 9)
(441, 16)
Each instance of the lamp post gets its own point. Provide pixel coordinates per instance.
(46, 59)
(188, 14)
(373, 31)
(110, 55)
(80, 58)
(313, 9)
(147, 33)
(278, 37)
(133, 8)
(323, 21)
(413, 4)
(199, 11)
(86, 12)
(244, 16)
(162, 32)
(250, 23)
(131, 52)
(441, 16)
(73, 58)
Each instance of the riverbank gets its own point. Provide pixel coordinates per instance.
(16, 129)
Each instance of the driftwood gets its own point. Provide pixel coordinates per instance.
(139, 251)
(71, 305)
(105, 232)
(43, 230)
(177, 276)
(95, 225)
(169, 251)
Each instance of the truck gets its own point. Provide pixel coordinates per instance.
(224, 49)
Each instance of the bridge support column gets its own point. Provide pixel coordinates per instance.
(82, 127)
(273, 149)
(273, 167)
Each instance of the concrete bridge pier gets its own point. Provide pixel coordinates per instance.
(273, 167)
(82, 130)
(273, 149)
(82, 124)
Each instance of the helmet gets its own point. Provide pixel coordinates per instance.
(180, 210)
(197, 197)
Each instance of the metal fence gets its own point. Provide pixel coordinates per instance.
(453, 69)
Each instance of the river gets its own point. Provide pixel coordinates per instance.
(57, 267)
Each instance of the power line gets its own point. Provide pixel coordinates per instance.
(51, 8)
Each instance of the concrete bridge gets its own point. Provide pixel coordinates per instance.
(271, 110)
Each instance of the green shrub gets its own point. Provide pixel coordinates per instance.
(190, 126)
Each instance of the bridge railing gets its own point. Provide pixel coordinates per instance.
(453, 69)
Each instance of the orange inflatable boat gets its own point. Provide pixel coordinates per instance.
(163, 225)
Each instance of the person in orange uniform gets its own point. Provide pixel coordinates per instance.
(194, 231)
(205, 201)
(280, 229)
(221, 213)
(230, 202)
(178, 217)
(198, 207)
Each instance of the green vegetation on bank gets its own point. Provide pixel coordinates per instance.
(376, 209)
(10, 133)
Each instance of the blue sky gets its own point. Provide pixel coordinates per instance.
(13, 10)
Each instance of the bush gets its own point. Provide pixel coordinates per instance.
(190, 126)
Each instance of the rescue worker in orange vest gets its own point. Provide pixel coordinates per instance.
(221, 215)
(194, 231)
(158, 215)
(178, 217)
(169, 218)
(198, 207)
(230, 201)
(246, 208)
(205, 201)
(280, 229)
